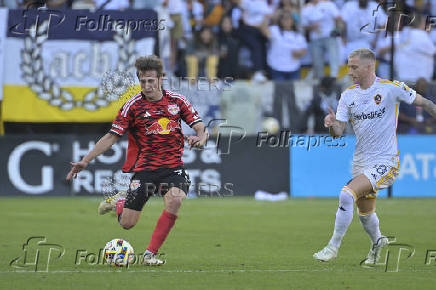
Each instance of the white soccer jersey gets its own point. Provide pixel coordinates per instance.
(373, 114)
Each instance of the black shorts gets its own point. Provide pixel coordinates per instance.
(145, 184)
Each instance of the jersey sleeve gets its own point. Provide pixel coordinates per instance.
(275, 31)
(121, 123)
(403, 93)
(342, 110)
(334, 10)
(188, 114)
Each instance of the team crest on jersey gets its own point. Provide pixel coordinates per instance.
(173, 109)
(135, 184)
(377, 99)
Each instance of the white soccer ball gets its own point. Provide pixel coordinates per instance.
(118, 253)
(270, 125)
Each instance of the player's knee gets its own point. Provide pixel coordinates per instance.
(127, 224)
(346, 197)
(366, 205)
(175, 202)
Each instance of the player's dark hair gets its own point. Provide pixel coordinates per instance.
(151, 62)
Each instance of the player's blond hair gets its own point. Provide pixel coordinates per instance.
(363, 53)
(151, 62)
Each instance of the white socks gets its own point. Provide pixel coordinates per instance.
(371, 225)
(344, 216)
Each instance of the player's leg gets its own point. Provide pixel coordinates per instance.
(177, 182)
(173, 201)
(368, 218)
(128, 218)
(129, 210)
(356, 188)
(380, 176)
(370, 222)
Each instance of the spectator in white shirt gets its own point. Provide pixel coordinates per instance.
(363, 20)
(254, 13)
(11, 4)
(383, 53)
(112, 4)
(320, 18)
(176, 9)
(286, 48)
(289, 6)
(414, 56)
(146, 4)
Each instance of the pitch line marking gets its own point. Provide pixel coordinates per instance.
(189, 271)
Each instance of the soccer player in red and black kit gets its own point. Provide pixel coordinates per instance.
(152, 119)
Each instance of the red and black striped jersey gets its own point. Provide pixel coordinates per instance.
(154, 130)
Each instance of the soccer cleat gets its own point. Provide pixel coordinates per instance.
(110, 202)
(150, 259)
(374, 252)
(326, 254)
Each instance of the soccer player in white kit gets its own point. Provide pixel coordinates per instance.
(371, 105)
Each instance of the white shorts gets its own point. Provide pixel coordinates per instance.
(381, 174)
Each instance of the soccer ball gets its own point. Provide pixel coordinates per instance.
(118, 253)
(270, 125)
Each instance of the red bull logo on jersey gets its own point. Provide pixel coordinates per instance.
(173, 109)
(162, 126)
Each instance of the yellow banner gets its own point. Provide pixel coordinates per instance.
(21, 104)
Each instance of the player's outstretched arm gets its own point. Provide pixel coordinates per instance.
(336, 128)
(201, 138)
(102, 145)
(428, 105)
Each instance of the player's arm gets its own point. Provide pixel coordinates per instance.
(336, 127)
(102, 145)
(202, 135)
(428, 105)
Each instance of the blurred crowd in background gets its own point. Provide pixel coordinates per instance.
(290, 40)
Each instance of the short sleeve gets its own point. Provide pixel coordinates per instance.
(342, 110)
(302, 43)
(334, 9)
(275, 31)
(403, 93)
(188, 114)
(305, 12)
(121, 123)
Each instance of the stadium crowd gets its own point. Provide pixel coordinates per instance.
(284, 40)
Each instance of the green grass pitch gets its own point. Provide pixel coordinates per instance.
(218, 243)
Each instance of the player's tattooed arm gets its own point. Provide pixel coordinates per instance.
(336, 128)
(428, 105)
